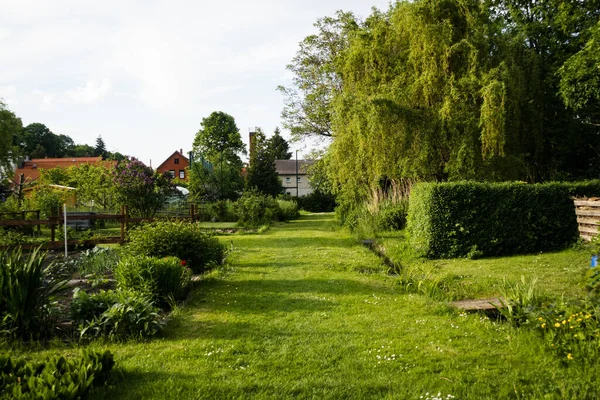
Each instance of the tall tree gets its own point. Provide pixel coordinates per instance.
(262, 174)
(279, 146)
(10, 131)
(219, 142)
(307, 102)
(100, 149)
(38, 141)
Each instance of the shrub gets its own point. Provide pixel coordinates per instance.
(222, 211)
(391, 217)
(186, 241)
(254, 209)
(288, 210)
(161, 279)
(115, 315)
(457, 219)
(317, 201)
(26, 293)
(56, 377)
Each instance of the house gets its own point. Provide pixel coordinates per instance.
(295, 181)
(31, 168)
(176, 164)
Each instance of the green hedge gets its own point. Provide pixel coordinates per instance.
(491, 219)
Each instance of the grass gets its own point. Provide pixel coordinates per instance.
(559, 274)
(304, 311)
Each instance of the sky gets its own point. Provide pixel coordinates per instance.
(142, 74)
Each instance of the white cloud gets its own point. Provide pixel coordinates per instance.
(8, 94)
(90, 93)
(46, 100)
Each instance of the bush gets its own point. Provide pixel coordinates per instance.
(115, 315)
(392, 217)
(288, 210)
(317, 201)
(254, 209)
(458, 219)
(161, 279)
(26, 294)
(56, 377)
(220, 211)
(184, 240)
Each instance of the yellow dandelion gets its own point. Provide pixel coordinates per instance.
(569, 356)
(579, 320)
(564, 321)
(540, 319)
(557, 324)
(543, 325)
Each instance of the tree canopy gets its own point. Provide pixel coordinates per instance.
(262, 174)
(279, 146)
(219, 143)
(452, 90)
(10, 129)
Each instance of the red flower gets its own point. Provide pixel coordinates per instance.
(183, 262)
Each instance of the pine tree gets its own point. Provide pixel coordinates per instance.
(100, 149)
(279, 146)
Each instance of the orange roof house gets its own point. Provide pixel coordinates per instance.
(176, 164)
(31, 169)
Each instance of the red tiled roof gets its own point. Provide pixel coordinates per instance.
(31, 169)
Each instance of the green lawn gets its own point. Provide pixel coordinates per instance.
(304, 311)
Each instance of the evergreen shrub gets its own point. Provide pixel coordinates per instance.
(288, 210)
(491, 219)
(200, 250)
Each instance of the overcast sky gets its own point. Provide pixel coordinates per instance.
(143, 74)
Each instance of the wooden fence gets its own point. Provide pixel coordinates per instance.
(588, 217)
(57, 221)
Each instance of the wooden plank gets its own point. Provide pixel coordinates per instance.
(585, 229)
(587, 213)
(588, 221)
(23, 222)
(589, 203)
(478, 304)
(586, 236)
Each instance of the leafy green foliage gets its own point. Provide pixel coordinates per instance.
(317, 201)
(455, 219)
(183, 240)
(115, 315)
(10, 130)
(278, 146)
(54, 378)
(220, 211)
(98, 261)
(254, 209)
(26, 294)
(288, 210)
(262, 174)
(139, 188)
(159, 278)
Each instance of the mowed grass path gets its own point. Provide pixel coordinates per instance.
(304, 311)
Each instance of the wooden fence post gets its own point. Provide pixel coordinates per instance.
(122, 224)
(192, 211)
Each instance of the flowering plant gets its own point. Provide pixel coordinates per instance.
(139, 188)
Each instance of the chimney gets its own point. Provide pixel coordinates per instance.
(252, 143)
(181, 151)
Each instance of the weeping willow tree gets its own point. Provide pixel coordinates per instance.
(427, 94)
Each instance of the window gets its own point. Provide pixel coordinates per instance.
(289, 193)
(172, 172)
(288, 180)
(181, 174)
(176, 161)
(299, 179)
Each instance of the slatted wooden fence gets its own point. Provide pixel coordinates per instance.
(588, 217)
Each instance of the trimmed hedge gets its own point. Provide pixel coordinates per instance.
(472, 219)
